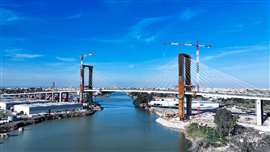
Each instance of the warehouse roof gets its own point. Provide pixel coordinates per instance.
(49, 104)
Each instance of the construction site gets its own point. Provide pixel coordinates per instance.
(187, 105)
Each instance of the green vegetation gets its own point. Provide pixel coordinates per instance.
(225, 122)
(2, 114)
(208, 134)
(141, 99)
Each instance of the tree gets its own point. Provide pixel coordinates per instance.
(2, 114)
(225, 122)
(142, 99)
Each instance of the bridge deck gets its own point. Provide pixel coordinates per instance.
(206, 94)
(257, 98)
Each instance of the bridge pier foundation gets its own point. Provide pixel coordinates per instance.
(259, 112)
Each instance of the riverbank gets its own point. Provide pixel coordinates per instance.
(244, 138)
(204, 136)
(7, 128)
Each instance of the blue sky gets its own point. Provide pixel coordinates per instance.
(41, 41)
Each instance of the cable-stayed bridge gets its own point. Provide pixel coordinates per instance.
(169, 80)
(157, 91)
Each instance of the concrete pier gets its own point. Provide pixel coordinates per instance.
(259, 112)
(60, 97)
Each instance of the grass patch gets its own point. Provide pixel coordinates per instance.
(2, 114)
(209, 134)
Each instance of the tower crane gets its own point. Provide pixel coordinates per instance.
(83, 56)
(197, 46)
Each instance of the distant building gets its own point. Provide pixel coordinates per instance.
(9, 104)
(41, 108)
(173, 103)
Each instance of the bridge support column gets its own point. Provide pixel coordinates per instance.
(181, 100)
(90, 84)
(81, 82)
(52, 97)
(67, 97)
(188, 87)
(259, 112)
(60, 97)
(46, 96)
(184, 80)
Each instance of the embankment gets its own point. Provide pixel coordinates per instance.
(243, 139)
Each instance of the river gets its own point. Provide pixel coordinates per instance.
(119, 127)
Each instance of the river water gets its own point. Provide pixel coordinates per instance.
(119, 127)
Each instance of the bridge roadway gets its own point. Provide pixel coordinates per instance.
(257, 98)
(205, 94)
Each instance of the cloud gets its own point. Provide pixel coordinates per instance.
(12, 51)
(8, 17)
(144, 29)
(150, 39)
(75, 16)
(26, 56)
(20, 54)
(235, 50)
(170, 65)
(240, 26)
(188, 14)
(131, 66)
(116, 40)
(65, 59)
(245, 66)
(223, 54)
(151, 28)
(141, 31)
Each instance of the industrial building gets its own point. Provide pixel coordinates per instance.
(41, 108)
(173, 103)
(9, 104)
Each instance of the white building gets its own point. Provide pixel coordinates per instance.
(173, 103)
(9, 104)
(41, 108)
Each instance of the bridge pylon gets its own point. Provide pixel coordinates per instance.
(184, 84)
(90, 83)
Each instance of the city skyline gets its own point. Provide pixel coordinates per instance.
(41, 41)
